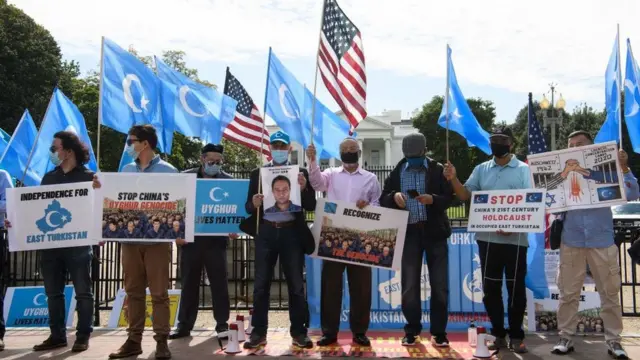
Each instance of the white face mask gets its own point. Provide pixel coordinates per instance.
(131, 151)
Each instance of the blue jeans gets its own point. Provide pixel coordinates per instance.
(55, 263)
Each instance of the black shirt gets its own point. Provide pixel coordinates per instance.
(58, 176)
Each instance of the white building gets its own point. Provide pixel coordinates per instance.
(380, 138)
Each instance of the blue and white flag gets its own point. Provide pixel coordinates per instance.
(16, 155)
(610, 129)
(632, 99)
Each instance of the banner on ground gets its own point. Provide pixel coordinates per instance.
(119, 315)
(146, 207)
(465, 290)
(51, 216)
(280, 187)
(27, 306)
(220, 206)
(545, 310)
(373, 236)
(514, 211)
(586, 177)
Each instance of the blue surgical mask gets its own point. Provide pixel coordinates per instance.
(131, 151)
(55, 159)
(415, 161)
(280, 156)
(211, 169)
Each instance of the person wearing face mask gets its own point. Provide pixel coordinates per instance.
(353, 184)
(209, 252)
(502, 254)
(284, 235)
(417, 184)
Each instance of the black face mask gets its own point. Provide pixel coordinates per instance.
(349, 157)
(499, 150)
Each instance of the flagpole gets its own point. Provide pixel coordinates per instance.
(35, 143)
(315, 80)
(100, 100)
(446, 104)
(264, 122)
(618, 88)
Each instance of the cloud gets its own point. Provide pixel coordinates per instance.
(514, 45)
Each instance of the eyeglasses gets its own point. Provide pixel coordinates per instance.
(131, 141)
(53, 149)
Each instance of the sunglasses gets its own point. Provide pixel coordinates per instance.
(131, 141)
(53, 149)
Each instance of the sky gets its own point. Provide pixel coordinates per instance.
(502, 49)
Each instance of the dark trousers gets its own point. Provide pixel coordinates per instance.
(3, 263)
(285, 243)
(359, 278)
(212, 255)
(55, 264)
(497, 260)
(417, 243)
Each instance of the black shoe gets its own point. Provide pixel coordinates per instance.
(409, 340)
(327, 340)
(1, 344)
(50, 344)
(255, 341)
(361, 339)
(179, 334)
(81, 344)
(222, 329)
(440, 340)
(302, 341)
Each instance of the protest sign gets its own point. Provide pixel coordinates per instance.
(27, 306)
(51, 216)
(220, 206)
(545, 310)
(146, 207)
(280, 187)
(119, 313)
(585, 177)
(373, 236)
(519, 211)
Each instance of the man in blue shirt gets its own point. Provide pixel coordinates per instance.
(501, 252)
(281, 189)
(588, 239)
(5, 183)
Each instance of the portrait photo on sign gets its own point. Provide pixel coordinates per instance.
(281, 189)
(372, 236)
(146, 207)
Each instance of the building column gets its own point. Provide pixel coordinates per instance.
(387, 152)
(332, 162)
(361, 145)
(301, 156)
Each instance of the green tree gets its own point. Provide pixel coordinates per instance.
(460, 154)
(30, 66)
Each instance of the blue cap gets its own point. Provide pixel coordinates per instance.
(279, 136)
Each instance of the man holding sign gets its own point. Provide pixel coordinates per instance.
(501, 252)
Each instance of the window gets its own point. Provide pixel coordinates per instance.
(324, 162)
(294, 157)
(375, 157)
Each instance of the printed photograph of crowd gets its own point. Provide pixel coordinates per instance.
(379, 243)
(589, 322)
(119, 224)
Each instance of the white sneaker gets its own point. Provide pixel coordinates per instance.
(616, 350)
(563, 346)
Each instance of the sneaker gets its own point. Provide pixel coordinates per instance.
(81, 344)
(499, 343)
(179, 334)
(50, 344)
(327, 340)
(440, 341)
(255, 341)
(518, 346)
(563, 347)
(616, 350)
(222, 329)
(302, 341)
(409, 340)
(362, 340)
(1, 344)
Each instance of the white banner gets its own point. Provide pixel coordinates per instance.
(280, 188)
(373, 236)
(146, 207)
(51, 216)
(585, 177)
(514, 211)
(545, 310)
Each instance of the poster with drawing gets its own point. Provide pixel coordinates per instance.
(281, 189)
(579, 178)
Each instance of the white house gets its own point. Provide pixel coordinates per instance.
(380, 138)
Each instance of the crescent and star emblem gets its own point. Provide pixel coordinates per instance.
(126, 89)
(47, 219)
(38, 303)
(184, 90)
(212, 194)
(282, 92)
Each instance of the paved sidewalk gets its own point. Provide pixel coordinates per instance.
(203, 344)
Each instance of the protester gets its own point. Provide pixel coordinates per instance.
(68, 155)
(352, 184)
(417, 184)
(5, 183)
(146, 263)
(588, 239)
(209, 252)
(280, 234)
(501, 252)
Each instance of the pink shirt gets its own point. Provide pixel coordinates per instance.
(345, 186)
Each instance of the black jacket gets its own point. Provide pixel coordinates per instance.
(437, 186)
(308, 198)
(57, 176)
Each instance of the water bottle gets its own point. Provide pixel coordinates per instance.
(472, 334)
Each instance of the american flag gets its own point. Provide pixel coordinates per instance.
(247, 125)
(341, 62)
(537, 145)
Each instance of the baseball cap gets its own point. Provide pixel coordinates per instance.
(502, 131)
(279, 136)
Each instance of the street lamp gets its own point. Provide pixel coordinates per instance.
(551, 117)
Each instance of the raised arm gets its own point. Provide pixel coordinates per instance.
(319, 180)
